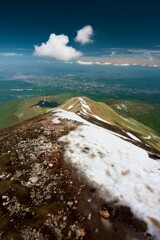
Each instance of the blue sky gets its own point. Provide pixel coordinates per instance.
(123, 31)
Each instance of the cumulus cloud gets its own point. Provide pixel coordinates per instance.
(56, 47)
(10, 54)
(85, 35)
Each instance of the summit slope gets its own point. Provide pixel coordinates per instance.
(123, 172)
(105, 116)
(63, 177)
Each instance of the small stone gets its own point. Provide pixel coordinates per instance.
(73, 227)
(50, 165)
(34, 179)
(69, 234)
(47, 197)
(104, 213)
(40, 237)
(89, 216)
(96, 230)
(4, 197)
(61, 198)
(89, 200)
(80, 233)
(70, 204)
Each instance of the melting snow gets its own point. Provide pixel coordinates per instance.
(84, 104)
(122, 106)
(56, 121)
(122, 170)
(69, 115)
(133, 137)
(148, 137)
(72, 106)
(101, 119)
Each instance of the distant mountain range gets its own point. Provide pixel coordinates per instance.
(80, 171)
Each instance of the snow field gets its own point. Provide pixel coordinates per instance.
(121, 170)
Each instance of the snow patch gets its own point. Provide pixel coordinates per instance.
(122, 106)
(122, 170)
(133, 137)
(56, 120)
(84, 104)
(99, 118)
(148, 137)
(69, 115)
(72, 106)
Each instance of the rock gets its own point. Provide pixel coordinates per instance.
(64, 218)
(73, 227)
(70, 204)
(69, 234)
(40, 237)
(34, 179)
(104, 213)
(89, 200)
(50, 165)
(80, 233)
(61, 198)
(89, 216)
(48, 197)
(4, 197)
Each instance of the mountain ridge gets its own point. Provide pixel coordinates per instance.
(100, 111)
(38, 181)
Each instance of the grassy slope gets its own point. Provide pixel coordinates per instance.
(20, 110)
(108, 114)
(146, 113)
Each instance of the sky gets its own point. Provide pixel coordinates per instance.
(120, 32)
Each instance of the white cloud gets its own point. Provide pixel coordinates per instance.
(84, 62)
(106, 63)
(125, 64)
(101, 63)
(85, 35)
(122, 64)
(56, 47)
(69, 62)
(92, 63)
(113, 53)
(10, 54)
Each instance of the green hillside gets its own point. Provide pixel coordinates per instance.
(16, 111)
(134, 116)
(146, 113)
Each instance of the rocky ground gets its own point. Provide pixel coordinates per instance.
(42, 197)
